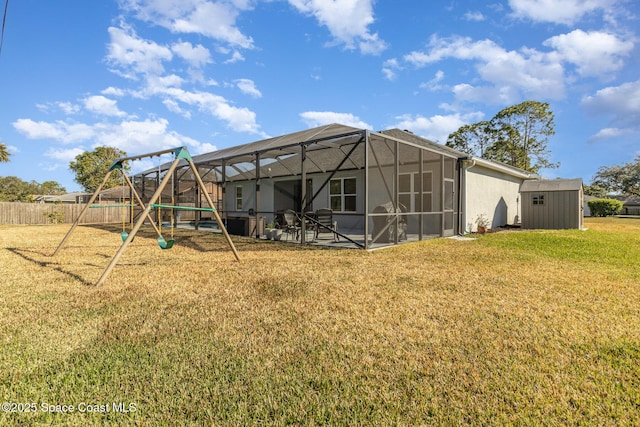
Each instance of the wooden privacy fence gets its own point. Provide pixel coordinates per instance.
(47, 213)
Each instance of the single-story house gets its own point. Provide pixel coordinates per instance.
(631, 205)
(383, 188)
(68, 198)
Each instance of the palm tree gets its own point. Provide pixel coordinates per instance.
(4, 154)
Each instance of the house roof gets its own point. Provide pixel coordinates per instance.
(64, 198)
(325, 144)
(405, 135)
(247, 151)
(408, 136)
(551, 185)
(627, 200)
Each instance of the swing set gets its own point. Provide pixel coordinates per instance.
(155, 202)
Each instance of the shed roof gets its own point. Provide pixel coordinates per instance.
(551, 185)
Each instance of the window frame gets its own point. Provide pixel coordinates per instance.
(238, 197)
(342, 196)
(413, 194)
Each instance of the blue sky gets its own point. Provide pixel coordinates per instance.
(144, 75)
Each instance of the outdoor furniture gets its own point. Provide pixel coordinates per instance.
(323, 222)
(291, 224)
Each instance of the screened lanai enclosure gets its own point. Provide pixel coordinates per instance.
(380, 188)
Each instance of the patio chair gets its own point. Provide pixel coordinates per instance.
(324, 223)
(291, 224)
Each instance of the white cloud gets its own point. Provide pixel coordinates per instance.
(139, 136)
(436, 128)
(196, 56)
(202, 148)
(168, 88)
(594, 53)
(104, 106)
(238, 119)
(434, 83)
(235, 57)
(113, 91)
(133, 55)
(174, 107)
(348, 22)
(68, 108)
(619, 101)
(389, 68)
(64, 155)
(156, 85)
(321, 118)
(567, 12)
(474, 16)
(510, 74)
(249, 87)
(621, 104)
(132, 136)
(214, 19)
(60, 131)
(609, 133)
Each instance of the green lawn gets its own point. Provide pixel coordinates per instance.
(524, 327)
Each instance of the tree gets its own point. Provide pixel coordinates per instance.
(51, 188)
(623, 179)
(595, 191)
(474, 139)
(91, 167)
(517, 135)
(524, 130)
(14, 189)
(4, 153)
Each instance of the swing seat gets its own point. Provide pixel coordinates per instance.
(165, 244)
(124, 236)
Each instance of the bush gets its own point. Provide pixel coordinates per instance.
(605, 207)
(54, 215)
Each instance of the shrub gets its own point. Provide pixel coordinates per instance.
(605, 207)
(54, 215)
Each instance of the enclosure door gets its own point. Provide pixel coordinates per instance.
(449, 205)
(449, 197)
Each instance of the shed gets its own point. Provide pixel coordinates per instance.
(552, 204)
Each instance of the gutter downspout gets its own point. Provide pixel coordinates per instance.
(470, 162)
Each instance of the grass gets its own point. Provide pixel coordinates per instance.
(538, 327)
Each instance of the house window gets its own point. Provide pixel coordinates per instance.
(238, 198)
(538, 199)
(342, 194)
(409, 191)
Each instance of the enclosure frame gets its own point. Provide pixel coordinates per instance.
(331, 152)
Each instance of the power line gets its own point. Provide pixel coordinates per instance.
(4, 21)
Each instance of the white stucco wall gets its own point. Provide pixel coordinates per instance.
(492, 193)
